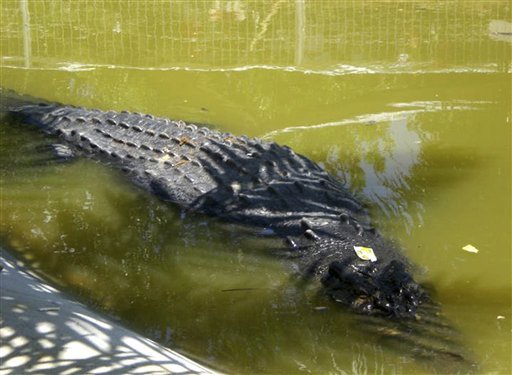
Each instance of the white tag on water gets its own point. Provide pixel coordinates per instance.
(365, 253)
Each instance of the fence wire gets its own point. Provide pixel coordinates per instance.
(291, 33)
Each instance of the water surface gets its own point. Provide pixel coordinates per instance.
(407, 102)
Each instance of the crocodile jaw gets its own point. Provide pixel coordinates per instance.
(385, 289)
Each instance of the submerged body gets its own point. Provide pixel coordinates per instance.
(246, 181)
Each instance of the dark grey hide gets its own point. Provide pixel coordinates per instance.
(250, 182)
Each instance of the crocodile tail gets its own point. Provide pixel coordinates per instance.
(12, 101)
(32, 110)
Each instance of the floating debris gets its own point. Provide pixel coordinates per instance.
(365, 253)
(470, 249)
(386, 331)
(320, 308)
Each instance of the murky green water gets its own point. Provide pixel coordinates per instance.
(408, 102)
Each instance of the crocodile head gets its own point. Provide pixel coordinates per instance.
(358, 267)
(374, 287)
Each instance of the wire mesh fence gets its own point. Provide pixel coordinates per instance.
(291, 33)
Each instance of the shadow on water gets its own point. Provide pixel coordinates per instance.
(45, 332)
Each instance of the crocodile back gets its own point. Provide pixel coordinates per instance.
(236, 178)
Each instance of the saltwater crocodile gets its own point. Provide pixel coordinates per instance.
(246, 181)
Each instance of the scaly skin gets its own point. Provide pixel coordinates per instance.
(251, 182)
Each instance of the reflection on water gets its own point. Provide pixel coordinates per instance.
(373, 118)
(384, 187)
(385, 163)
(385, 166)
